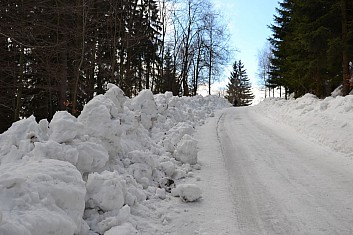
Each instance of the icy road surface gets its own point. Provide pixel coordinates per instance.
(280, 181)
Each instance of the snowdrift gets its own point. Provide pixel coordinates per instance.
(328, 121)
(93, 174)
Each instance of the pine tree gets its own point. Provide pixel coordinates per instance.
(239, 87)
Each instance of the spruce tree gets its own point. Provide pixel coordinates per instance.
(312, 46)
(281, 29)
(239, 87)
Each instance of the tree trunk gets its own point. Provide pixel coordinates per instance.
(63, 78)
(19, 85)
(210, 63)
(345, 62)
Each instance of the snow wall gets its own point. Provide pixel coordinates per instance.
(327, 121)
(85, 175)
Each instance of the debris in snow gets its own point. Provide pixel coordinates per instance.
(167, 184)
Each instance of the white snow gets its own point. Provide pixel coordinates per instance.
(327, 121)
(41, 197)
(188, 192)
(186, 150)
(104, 172)
(126, 166)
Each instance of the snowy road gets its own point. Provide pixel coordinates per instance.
(281, 182)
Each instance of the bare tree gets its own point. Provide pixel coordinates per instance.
(264, 65)
(200, 44)
(217, 45)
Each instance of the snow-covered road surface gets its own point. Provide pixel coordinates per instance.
(281, 182)
(103, 172)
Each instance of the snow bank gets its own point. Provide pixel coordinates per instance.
(327, 121)
(95, 174)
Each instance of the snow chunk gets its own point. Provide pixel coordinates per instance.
(100, 118)
(19, 139)
(91, 156)
(160, 192)
(188, 192)
(41, 197)
(116, 95)
(186, 150)
(106, 191)
(168, 167)
(54, 150)
(144, 104)
(98, 121)
(64, 127)
(112, 221)
(125, 229)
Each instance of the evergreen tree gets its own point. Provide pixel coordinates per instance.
(281, 29)
(312, 46)
(239, 87)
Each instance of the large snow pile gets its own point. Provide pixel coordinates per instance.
(328, 120)
(97, 173)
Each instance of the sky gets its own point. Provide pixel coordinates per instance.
(248, 22)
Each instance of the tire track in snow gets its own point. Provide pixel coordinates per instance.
(281, 183)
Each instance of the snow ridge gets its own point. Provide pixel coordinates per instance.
(328, 121)
(94, 174)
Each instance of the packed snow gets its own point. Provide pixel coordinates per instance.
(135, 166)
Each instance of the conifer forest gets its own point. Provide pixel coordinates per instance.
(311, 48)
(56, 55)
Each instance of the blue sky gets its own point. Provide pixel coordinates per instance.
(247, 21)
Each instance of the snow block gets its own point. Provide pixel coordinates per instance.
(64, 127)
(91, 156)
(124, 229)
(145, 105)
(168, 167)
(54, 150)
(160, 193)
(186, 151)
(188, 192)
(112, 221)
(105, 191)
(117, 96)
(19, 139)
(98, 121)
(41, 197)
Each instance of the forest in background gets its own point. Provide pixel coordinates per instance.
(310, 48)
(58, 54)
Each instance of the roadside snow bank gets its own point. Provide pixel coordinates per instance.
(328, 121)
(101, 172)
